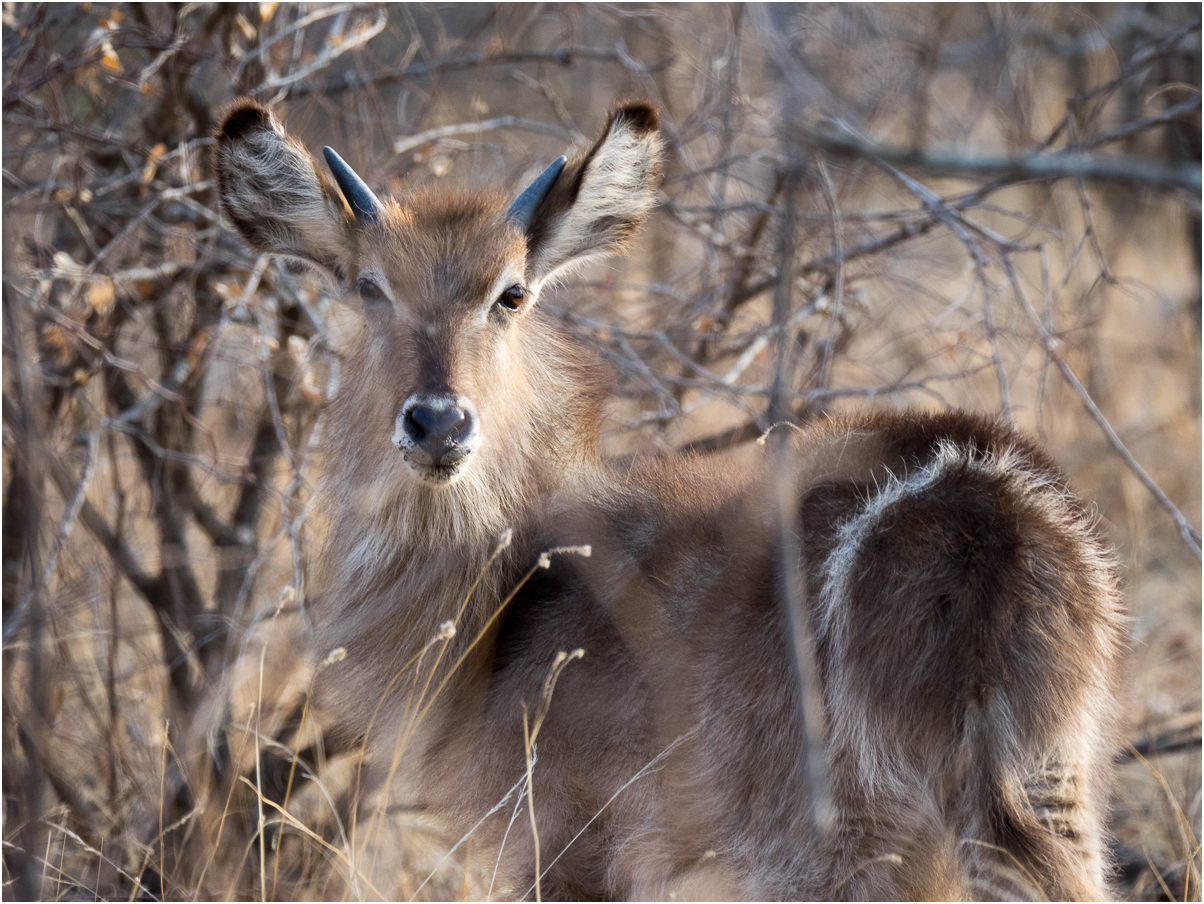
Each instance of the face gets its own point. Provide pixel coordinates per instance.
(443, 290)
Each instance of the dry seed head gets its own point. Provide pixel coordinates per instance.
(287, 595)
(504, 540)
(545, 558)
(338, 654)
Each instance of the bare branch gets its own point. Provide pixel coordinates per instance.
(1038, 166)
(565, 56)
(401, 145)
(1053, 348)
(1170, 114)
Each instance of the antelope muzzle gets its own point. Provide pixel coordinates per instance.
(436, 435)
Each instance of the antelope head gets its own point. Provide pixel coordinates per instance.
(448, 369)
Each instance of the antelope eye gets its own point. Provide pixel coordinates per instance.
(512, 298)
(370, 292)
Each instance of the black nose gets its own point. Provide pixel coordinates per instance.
(437, 431)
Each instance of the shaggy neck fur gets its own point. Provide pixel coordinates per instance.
(401, 555)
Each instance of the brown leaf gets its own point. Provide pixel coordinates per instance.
(196, 349)
(152, 162)
(56, 340)
(244, 25)
(110, 61)
(101, 295)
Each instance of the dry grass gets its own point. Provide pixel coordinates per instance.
(163, 391)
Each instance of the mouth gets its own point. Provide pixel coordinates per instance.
(440, 475)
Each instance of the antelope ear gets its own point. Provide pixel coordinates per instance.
(273, 192)
(595, 204)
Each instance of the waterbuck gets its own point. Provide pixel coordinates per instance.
(942, 724)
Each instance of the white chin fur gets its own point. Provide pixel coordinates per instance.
(436, 476)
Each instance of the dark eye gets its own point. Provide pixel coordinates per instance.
(512, 298)
(370, 292)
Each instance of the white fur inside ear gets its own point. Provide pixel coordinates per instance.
(272, 183)
(617, 191)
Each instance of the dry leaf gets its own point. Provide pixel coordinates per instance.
(196, 349)
(109, 61)
(101, 295)
(152, 162)
(55, 338)
(247, 29)
(227, 290)
(310, 389)
(65, 262)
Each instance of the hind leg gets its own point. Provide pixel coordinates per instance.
(1059, 793)
(1049, 837)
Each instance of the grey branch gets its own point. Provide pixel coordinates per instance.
(1132, 128)
(564, 56)
(944, 161)
(410, 142)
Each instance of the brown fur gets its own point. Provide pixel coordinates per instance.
(968, 632)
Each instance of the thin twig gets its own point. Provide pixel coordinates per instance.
(401, 145)
(564, 56)
(1170, 114)
(1053, 348)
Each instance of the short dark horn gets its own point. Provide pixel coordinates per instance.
(522, 208)
(365, 204)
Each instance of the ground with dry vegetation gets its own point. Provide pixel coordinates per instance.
(989, 207)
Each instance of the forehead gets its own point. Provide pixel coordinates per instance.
(449, 246)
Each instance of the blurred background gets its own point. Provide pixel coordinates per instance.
(992, 207)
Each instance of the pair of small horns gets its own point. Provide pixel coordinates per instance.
(367, 207)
